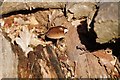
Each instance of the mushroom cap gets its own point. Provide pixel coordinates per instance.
(56, 32)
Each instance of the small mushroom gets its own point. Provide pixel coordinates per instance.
(56, 32)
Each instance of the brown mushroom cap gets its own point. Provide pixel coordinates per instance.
(56, 32)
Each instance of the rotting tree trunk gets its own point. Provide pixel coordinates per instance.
(44, 62)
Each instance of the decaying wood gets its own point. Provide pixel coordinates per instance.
(106, 22)
(88, 64)
(8, 7)
(68, 58)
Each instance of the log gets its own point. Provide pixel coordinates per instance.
(8, 7)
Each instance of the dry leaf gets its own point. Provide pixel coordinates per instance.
(70, 16)
(54, 15)
(76, 23)
(106, 59)
(20, 21)
(2, 22)
(33, 20)
(9, 21)
(103, 55)
(24, 40)
(36, 41)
